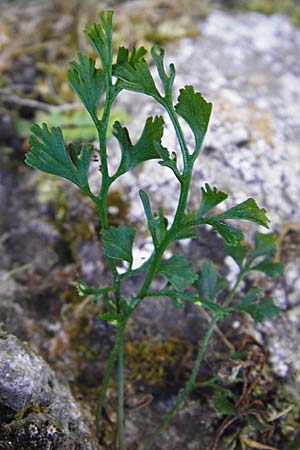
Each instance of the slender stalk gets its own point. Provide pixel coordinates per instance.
(167, 240)
(101, 202)
(110, 365)
(121, 394)
(180, 136)
(192, 380)
(188, 388)
(184, 192)
(231, 294)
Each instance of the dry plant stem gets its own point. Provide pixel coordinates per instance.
(219, 332)
(227, 423)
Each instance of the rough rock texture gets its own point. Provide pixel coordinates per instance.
(44, 410)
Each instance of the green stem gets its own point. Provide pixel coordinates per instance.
(111, 362)
(184, 192)
(231, 294)
(121, 394)
(101, 202)
(168, 238)
(180, 136)
(192, 380)
(188, 388)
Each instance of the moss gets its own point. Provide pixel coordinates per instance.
(168, 32)
(118, 207)
(290, 421)
(31, 409)
(150, 361)
(290, 8)
(289, 243)
(50, 192)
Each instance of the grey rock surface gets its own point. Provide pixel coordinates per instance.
(27, 383)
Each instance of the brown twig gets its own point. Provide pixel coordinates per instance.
(226, 423)
(12, 98)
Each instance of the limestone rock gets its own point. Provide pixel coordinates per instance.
(36, 410)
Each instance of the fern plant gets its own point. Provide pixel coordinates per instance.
(183, 283)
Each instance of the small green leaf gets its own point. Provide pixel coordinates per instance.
(247, 210)
(161, 225)
(178, 296)
(146, 147)
(223, 404)
(254, 423)
(109, 304)
(195, 110)
(252, 296)
(132, 58)
(158, 223)
(48, 154)
(136, 76)
(259, 309)
(231, 235)
(83, 288)
(178, 303)
(133, 302)
(77, 125)
(100, 35)
(269, 267)
(150, 219)
(210, 199)
(178, 272)
(175, 296)
(118, 242)
(264, 244)
(213, 307)
(185, 233)
(158, 57)
(238, 253)
(81, 162)
(112, 318)
(210, 282)
(87, 81)
(168, 161)
(263, 310)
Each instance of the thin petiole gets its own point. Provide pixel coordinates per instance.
(192, 380)
(111, 362)
(121, 394)
(188, 388)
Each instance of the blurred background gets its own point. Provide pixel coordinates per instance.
(39, 38)
(243, 55)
